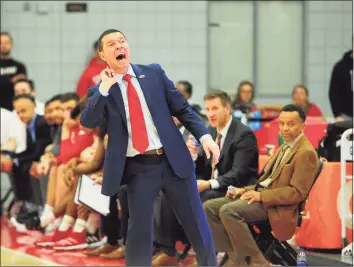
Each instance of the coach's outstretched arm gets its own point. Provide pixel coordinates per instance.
(94, 114)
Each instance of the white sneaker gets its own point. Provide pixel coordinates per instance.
(20, 228)
(50, 228)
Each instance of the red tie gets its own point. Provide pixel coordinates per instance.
(137, 122)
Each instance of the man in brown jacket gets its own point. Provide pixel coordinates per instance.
(283, 184)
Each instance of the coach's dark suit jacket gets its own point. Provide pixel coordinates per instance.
(164, 101)
(238, 163)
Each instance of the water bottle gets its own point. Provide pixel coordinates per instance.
(231, 190)
(301, 258)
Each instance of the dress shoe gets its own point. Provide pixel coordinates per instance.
(162, 259)
(105, 248)
(264, 263)
(230, 263)
(116, 254)
(193, 264)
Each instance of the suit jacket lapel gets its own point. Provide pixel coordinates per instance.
(213, 133)
(228, 139)
(269, 166)
(117, 95)
(287, 158)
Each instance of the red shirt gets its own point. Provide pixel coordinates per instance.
(90, 77)
(73, 146)
(314, 111)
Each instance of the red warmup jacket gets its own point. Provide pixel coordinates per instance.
(314, 111)
(90, 77)
(73, 146)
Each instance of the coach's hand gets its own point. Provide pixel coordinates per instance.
(108, 78)
(210, 146)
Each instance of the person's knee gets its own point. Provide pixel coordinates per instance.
(209, 208)
(61, 167)
(228, 211)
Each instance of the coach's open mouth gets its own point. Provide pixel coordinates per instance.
(121, 57)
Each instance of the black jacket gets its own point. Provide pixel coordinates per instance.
(340, 90)
(36, 149)
(238, 163)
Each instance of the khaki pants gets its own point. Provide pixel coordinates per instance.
(228, 220)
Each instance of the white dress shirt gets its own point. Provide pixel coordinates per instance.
(40, 108)
(13, 127)
(153, 136)
(214, 184)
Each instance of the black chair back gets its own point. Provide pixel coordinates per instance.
(319, 170)
(302, 203)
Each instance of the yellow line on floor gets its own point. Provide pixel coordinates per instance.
(11, 257)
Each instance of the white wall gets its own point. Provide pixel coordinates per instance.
(55, 45)
(329, 35)
(231, 44)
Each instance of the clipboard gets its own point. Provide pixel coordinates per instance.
(89, 194)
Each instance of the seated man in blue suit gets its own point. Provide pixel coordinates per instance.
(146, 150)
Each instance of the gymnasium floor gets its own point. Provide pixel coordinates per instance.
(18, 250)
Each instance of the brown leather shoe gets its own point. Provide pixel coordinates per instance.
(230, 263)
(119, 253)
(163, 259)
(193, 264)
(105, 248)
(264, 263)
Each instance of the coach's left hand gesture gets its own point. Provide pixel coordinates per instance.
(210, 147)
